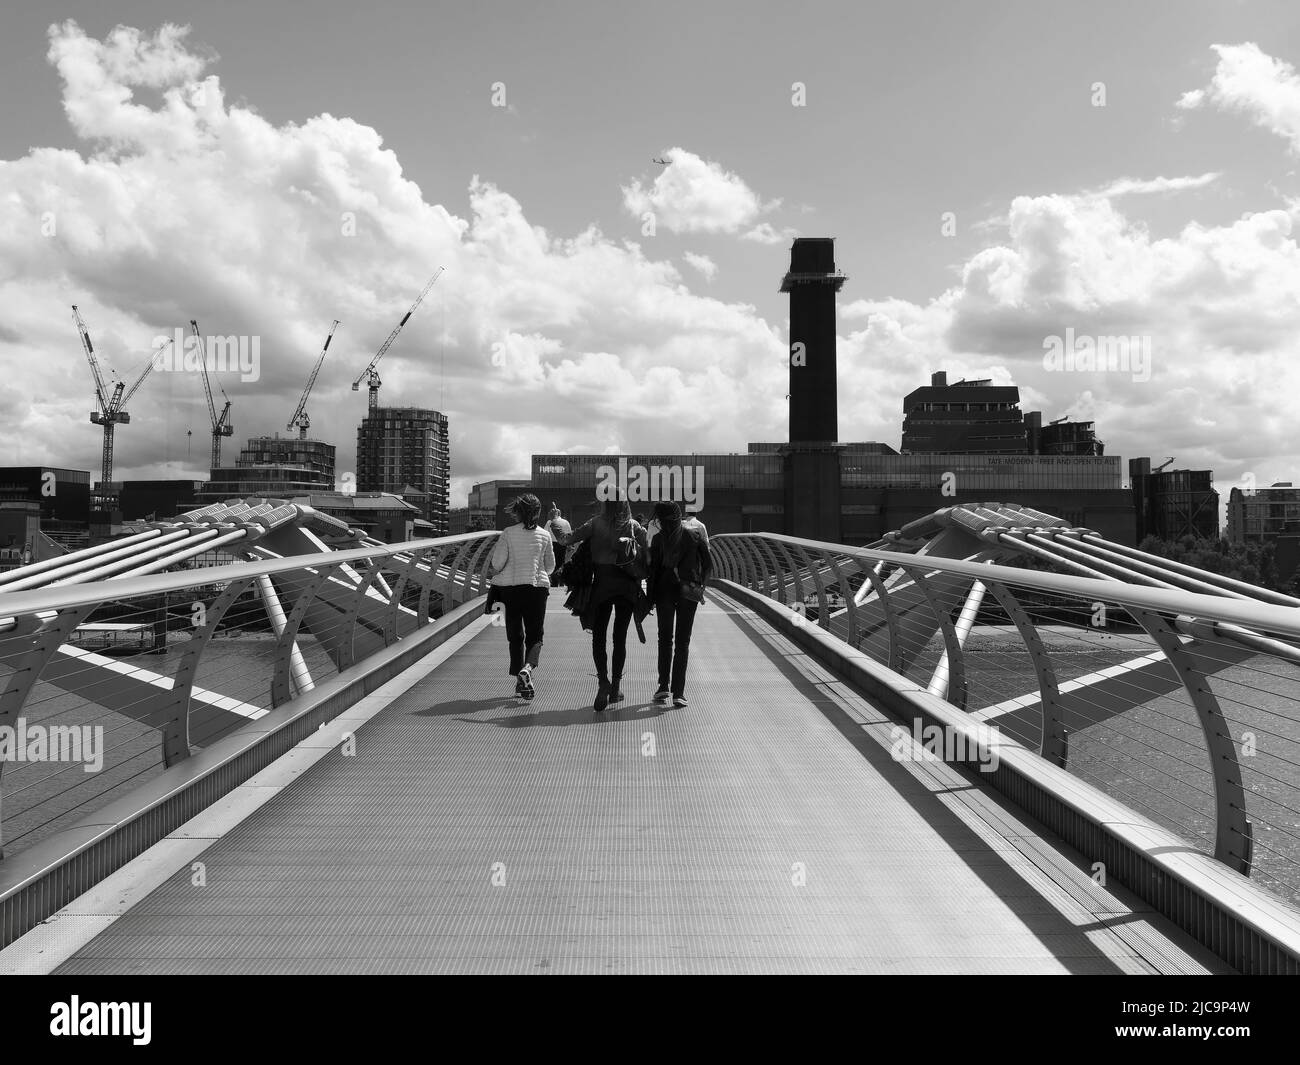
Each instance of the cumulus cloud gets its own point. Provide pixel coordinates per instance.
(692, 195)
(1218, 304)
(766, 233)
(178, 204)
(1250, 82)
(707, 267)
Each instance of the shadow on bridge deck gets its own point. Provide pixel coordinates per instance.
(763, 828)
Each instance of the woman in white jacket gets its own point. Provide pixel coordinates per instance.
(521, 565)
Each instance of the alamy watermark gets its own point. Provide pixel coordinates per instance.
(133, 1020)
(652, 484)
(1102, 354)
(939, 743)
(220, 354)
(21, 742)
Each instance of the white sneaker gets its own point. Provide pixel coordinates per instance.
(680, 700)
(663, 695)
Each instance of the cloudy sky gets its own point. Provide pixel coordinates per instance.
(994, 174)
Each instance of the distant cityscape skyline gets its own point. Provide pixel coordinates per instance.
(1142, 187)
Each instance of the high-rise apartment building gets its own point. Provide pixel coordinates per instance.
(406, 451)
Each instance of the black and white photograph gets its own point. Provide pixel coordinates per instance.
(718, 488)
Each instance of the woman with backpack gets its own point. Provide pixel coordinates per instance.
(680, 565)
(618, 546)
(521, 565)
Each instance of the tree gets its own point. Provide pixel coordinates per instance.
(1252, 563)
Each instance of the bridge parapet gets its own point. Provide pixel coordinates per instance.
(121, 662)
(1174, 690)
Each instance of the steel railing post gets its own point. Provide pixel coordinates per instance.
(757, 568)
(410, 570)
(956, 681)
(282, 682)
(479, 562)
(770, 565)
(792, 567)
(1232, 830)
(41, 647)
(275, 611)
(896, 659)
(1053, 743)
(176, 725)
(449, 594)
(348, 647)
(426, 589)
(726, 569)
(823, 608)
(850, 603)
(965, 622)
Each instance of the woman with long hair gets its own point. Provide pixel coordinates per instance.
(521, 567)
(615, 538)
(680, 565)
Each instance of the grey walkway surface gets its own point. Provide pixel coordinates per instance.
(764, 828)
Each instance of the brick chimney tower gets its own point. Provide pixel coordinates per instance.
(812, 283)
(812, 459)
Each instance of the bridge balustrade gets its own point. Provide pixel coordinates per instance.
(225, 645)
(1182, 705)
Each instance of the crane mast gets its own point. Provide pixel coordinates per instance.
(220, 425)
(300, 420)
(370, 374)
(111, 404)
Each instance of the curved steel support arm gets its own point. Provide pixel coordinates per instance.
(956, 693)
(1231, 828)
(850, 600)
(772, 566)
(1053, 743)
(176, 726)
(348, 648)
(28, 665)
(792, 567)
(816, 562)
(282, 682)
(897, 661)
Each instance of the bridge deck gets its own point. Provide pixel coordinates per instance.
(613, 859)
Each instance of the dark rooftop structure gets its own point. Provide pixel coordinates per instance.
(964, 418)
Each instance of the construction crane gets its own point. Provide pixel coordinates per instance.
(1162, 465)
(369, 374)
(112, 405)
(220, 425)
(300, 419)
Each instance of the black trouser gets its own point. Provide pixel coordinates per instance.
(612, 595)
(621, 609)
(525, 620)
(676, 619)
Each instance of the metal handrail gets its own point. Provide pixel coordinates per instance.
(1276, 619)
(346, 615)
(1197, 635)
(75, 595)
